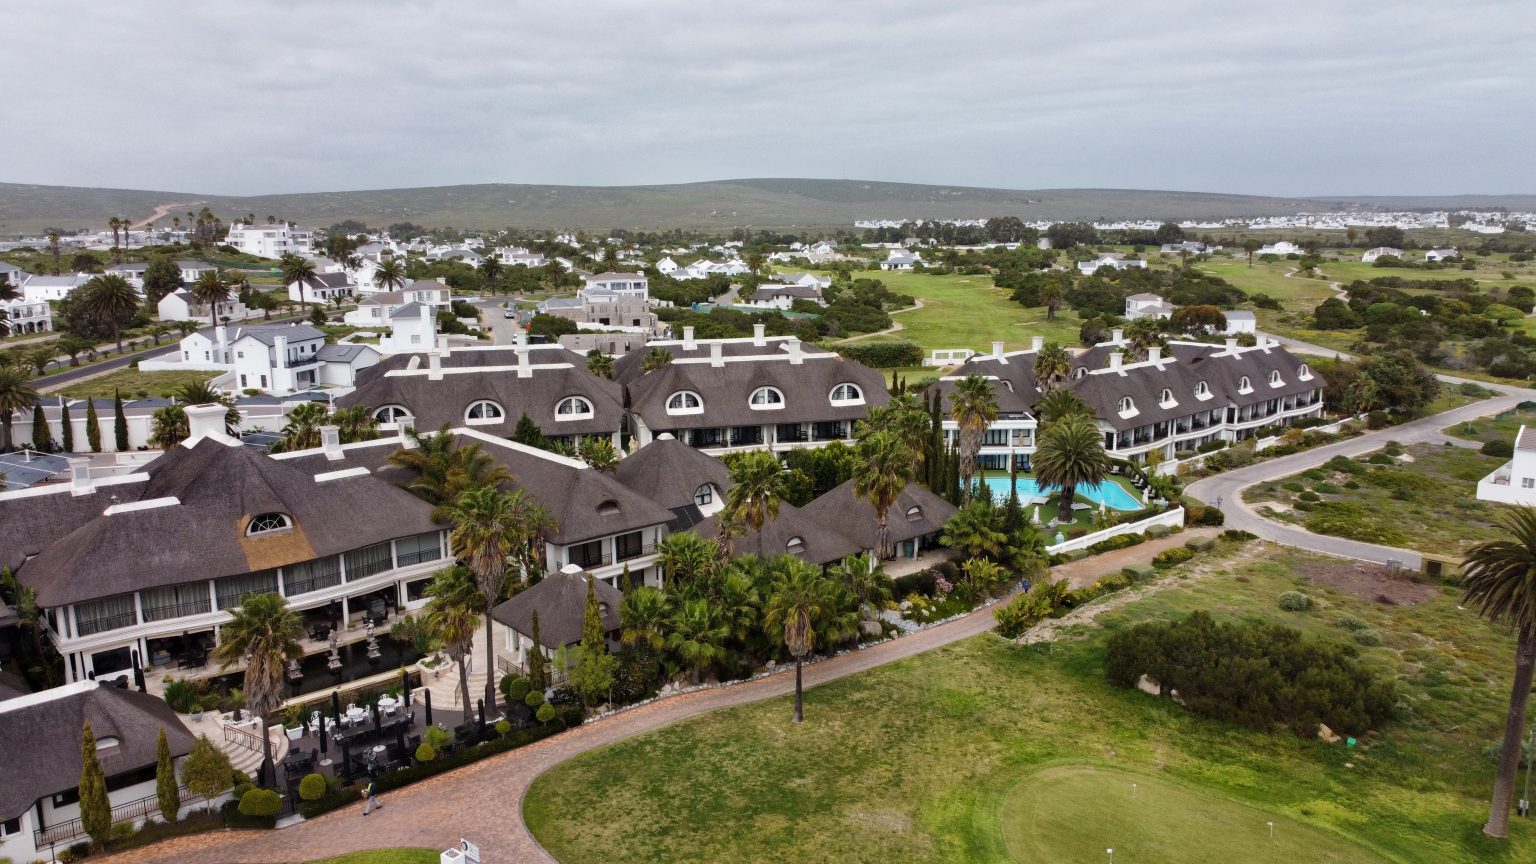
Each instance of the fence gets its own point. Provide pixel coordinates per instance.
(133, 811)
(1172, 518)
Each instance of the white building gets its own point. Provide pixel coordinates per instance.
(1109, 259)
(322, 288)
(1241, 321)
(1514, 482)
(377, 309)
(622, 284)
(271, 241)
(1147, 306)
(900, 259)
(1284, 247)
(184, 306)
(1441, 254)
(277, 359)
(25, 316)
(412, 327)
(517, 256)
(1371, 255)
(55, 288)
(12, 275)
(666, 266)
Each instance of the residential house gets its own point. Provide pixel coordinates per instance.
(182, 305)
(377, 309)
(42, 289)
(322, 288)
(1114, 260)
(622, 284)
(462, 254)
(1514, 482)
(25, 316)
(690, 484)
(1186, 247)
(286, 359)
(901, 259)
(1441, 254)
(12, 275)
(517, 256)
(559, 601)
(271, 241)
(1147, 306)
(597, 307)
(1371, 255)
(131, 271)
(777, 295)
(666, 266)
(913, 522)
(1282, 248)
(1241, 321)
(794, 531)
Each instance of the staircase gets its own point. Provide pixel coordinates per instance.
(242, 744)
(445, 686)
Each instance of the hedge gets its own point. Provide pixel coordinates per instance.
(463, 756)
(1158, 531)
(333, 799)
(1119, 541)
(1172, 557)
(233, 818)
(1075, 554)
(1200, 544)
(1138, 571)
(887, 354)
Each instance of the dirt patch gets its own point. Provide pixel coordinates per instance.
(1369, 581)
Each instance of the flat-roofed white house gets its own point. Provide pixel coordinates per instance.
(1241, 321)
(1371, 255)
(182, 305)
(1514, 482)
(622, 284)
(271, 241)
(1113, 260)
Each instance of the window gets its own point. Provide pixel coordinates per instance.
(108, 613)
(608, 508)
(586, 555)
(1528, 482)
(310, 576)
(10, 826)
(1244, 385)
(232, 591)
(914, 513)
(1202, 390)
(175, 601)
(573, 408)
(1079, 372)
(391, 414)
(795, 546)
(847, 394)
(1303, 372)
(685, 402)
(766, 399)
(1167, 397)
(1274, 378)
(364, 562)
(418, 548)
(484, 411)
(268, 523)
(704, 495)
(1126, 405)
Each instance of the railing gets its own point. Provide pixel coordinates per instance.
(177, 610)
(408, 558)
(508, 666)
(242, 738)
(105, 623)
(66, 832)
(605, 559)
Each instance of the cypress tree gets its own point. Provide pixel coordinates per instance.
(67, 434)
(167, 790)
(528, 432)
(42, 442)
(593, 675)
(95, 808)
(538, 675)
(92, 427)
(119, 422)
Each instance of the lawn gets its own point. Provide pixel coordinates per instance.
(1268, 277)
(133, 383)
(1078, 812)
(1500, 427)
(385, 856)
(1428, 504)
(915, 761)
(969, 312)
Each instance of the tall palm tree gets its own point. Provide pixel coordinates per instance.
(264, 633)
(53, 246)
(1051, 295)
(654, 359)
(202, 393)
(686, 557)
(1052, 365)
(111, 299)
(1142, 334)
(643, 618)
(600, 364)
(212, 289)
(797, 598)
(906, 418)
(168, 427)
(445, 469)
(302, 431)
(1499, 577)
(355, 424)
(1057, 404)
(490, 272)
(973, 407)
(297, 270)
(16, 394)
(389, 275)
(454, 607)
(757, 488)
(1070, 454)
(697, 635)
(888, 466)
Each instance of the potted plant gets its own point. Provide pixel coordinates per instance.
(293, 722)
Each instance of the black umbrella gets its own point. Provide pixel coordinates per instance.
(378, 724)
(322, 731)
(138, 671)
(481, 719)
(405, 688)
(427, 695)
(400, 740)
(336, 704)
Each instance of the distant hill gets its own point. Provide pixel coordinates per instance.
(724, 204)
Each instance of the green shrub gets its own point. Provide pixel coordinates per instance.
(1114, 581)
(1119, 541)
(514, 688)
(545, 713)
(1381, 459)
(1392, 448)
(1137, 572)
(1075, 554)
(534, 699)
(459, 758)
(333, 798)
(1314, 474)
(1350, 622)
(1199, 544)
(1399, 480)
(1309, 495)
(312, 787)
(181, 695)
(425, 752)
(1326, 489)
(260, 803)
(1237, 535)
(884, 354)
(1500, 449)
(1292, 486)
(1209, 516)
(1305, 506)
(920, 582)
(1345, 465)
(1157, 531)
(77, 852)
(1295, 601)
(1351, 484)
(503, 727)
(1172, 557)
(1347, 519)
(1368, 636)
(437, 736)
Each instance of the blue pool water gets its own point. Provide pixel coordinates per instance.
(1108, 493)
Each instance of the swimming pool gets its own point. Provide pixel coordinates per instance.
(1109, 493)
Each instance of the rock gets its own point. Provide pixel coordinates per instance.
(870, 628)
(772, 665)
(1326, 734)
(1147, 685)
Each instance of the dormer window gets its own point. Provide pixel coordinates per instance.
(392, 414)
(685, 402)
(704, 495)
(914, 513)
(847, 394)
(608, 508)
(1166, 399)
(484, 411)
(1202, 390)
(1079, 372)
(1274, 378)
(573, 408)
(766, 399)
(1127, 406)
(1303, 372)
(795, 546)
(106, 742)
(268, 523)
(1244, 385)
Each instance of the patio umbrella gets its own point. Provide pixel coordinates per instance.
(481, 719)
(322, 731)
(427, 695)
(378, 724)
(336, 704)
(405, 688)
(400, 740)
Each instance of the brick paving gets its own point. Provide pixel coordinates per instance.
(482, 802)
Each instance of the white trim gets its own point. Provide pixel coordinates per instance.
(343, 473)
(151, 504)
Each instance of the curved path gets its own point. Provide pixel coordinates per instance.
(895, 327)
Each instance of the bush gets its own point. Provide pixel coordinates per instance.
(885, 354)
(1305, 506)
(1157, 531)
(514, 688)
(1295, 601)
(312, 787)
(1119, 541)
(77, 852)
(1212, 446)
(920, 582)
(546, 713)
(1351, 484)
(1137, 572)
(332, 799)
(1368, 636)
(1200, 544)
(1501, 449)
(1381, 459)
(459, 757)
(1350, 622)
(425, 752)
(1377, 420)
(503, 727)
(1309, 495)
(1172, 557)
(181, 695)
(1292, 486)
(534, 699)
(260, 803)
(1345, 465)
(1237, 535)
(1326, 489)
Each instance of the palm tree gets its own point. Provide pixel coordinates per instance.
(1070, 454)
(1051, 295)
(1058, 404)
(863, 576)
(168, 427)
(1250, 246)
(906, 418)
(654, 359)
(888, 466)
(1499, 577)
(686, 557)
(757, 488)
(797, 598)
(202, 393)
(973, 407)
(1141, 334)
(264, 633)
(111, 299)
(355, 424)
(643, 616)
(599, 453)
(974, 531)
(210, 290)
(16, 394)
(697, 635)
(389, 274)
(1052, 365)
(600, 364)
(302, 431)
(444, 470)
(454, 607)
(53, 246)
(490, 272)
(297, 270)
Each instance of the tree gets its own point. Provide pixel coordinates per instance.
(263, 301)
(490, 272)
(697, 635)
(1398, 380)
(797, 598)
(201, 393)
(1052, 292)
(16, 394)
(643, 616)
(444, 469)
(454, 607)
(1199, 320)
(119, 422)
(1052, 366)
(888, 466)
(206, 771)
(1058, 404)
(211, 290)
(1499, 581)
(973, 407)
(600, 364)
(53, 247)
(1142, 334)
(42, 442)
(974, 531)
(111, 300)
(598, 452)
(92, 427)
(299, 271)
(167, 790)
(1168, 232)
(1250, 246)
(302, 431)
(73, 346)
(551, 327)
(1334, 314)
(168, 427)
(757, 488)
(40, 359)
(161, 277)
(95, 806)
(389, 274)
(654, 359)
(66, 426)
(1070, 454)
(595, 664)
(264, 634)
(685, 557)
(538, 670)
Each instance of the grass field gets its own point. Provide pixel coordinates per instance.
(1502, 427)
(969, 312)
(1078, 812)
(914, 761)
(132, 383)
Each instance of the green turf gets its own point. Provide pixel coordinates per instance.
(384, 856)
(912, 761)
(1080, 812)
(969, 312)
(131, 382)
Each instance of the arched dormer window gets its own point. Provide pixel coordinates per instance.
(392, 414)
(766, 399)
(795, 546)
(1303, 372)
(1274, 378)
(608, 508)
(914, 513)
(573, 408)
(704, 495)
(847, 394)
(1202, 390)
(1166, 397)
(1079, 372)
(268, 523)
(685, 402)
(1127, 405)
(484, 411)
(1244, 385)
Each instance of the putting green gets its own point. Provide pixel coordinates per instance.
(1076, 813)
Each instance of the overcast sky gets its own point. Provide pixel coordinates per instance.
(267, 96)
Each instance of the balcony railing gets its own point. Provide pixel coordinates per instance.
(67, 832)
(588, 562)
(408, 558)
(105, 623)
(176, 610)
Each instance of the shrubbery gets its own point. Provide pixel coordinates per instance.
(1119, 541)
(312, 787)
(1500, 449)
(1349, 520)
(1295, 601)
(1172, 557)
(885, 354)
(1256, 675)
(1237, 535)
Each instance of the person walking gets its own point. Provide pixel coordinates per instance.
(370, 792)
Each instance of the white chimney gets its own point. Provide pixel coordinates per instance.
(1231, 345)
(1115, 359)
(521, 338)
(1036, 343)
(330, 442)
(434, 366)
(524, 368)
(406, 425)
(759, 334)
(717, 354)
(280, 348)
(1155, 353)
(688, 344)
(1117, 336)
(207, 421)
(997, 350)
(80, 476)
(795, 356)
(221, 335)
